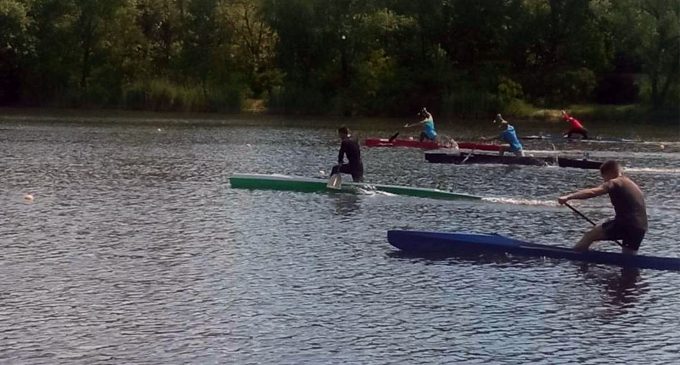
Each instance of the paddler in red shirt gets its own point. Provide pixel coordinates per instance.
(575, 126)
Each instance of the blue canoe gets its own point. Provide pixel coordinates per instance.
(420, 242)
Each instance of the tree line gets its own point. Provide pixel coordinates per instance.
(349, 57)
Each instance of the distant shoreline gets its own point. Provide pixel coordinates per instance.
(634, 113)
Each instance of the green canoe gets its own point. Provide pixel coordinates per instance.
(306, 184)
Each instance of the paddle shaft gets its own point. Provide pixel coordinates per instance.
(394, 136)
(579, 213)
(588, 219)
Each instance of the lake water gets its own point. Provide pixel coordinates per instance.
(135, 250)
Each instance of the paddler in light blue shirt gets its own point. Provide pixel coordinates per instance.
(509, 136)
(427, 122)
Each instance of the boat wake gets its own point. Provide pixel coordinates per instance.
(654, 170)
(515, 201)
(371, 190)
(381, 193)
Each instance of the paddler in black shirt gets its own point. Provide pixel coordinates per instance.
(630, 221)
(350, 148)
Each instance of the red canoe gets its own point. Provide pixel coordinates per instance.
(427, 145)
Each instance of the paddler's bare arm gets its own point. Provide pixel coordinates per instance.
(492, 138)
(583, 194)
(407, 125)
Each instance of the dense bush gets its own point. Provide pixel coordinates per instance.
(617, 89)
(343, 57)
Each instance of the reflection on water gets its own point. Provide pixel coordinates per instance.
(346, 204)
(136, 250)
(622, 287)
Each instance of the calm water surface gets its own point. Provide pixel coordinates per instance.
(136, 250)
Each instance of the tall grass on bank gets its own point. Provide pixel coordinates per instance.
(163, 95)
(626, 113)
(622, 113)
(474, 104)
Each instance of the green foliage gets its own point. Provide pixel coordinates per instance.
(467, 103)
(15, 43)
(518, 108)
(650, 32)
(14, 22)
(253, 47)
(163, 95)
(569, 86)
(294, 99)
(630, 112)
(509, 90)
(344, 57)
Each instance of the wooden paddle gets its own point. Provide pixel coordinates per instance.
(588, 219)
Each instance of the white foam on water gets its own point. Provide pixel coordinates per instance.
(383, 193)
(654, 170)
(370, 190)
(517, 201)
(664, 143)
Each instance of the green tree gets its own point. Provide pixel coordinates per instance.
(14, 44)
(161, 24)
(50, 68)
(559, 47)
(253, 44)
(202, 38)
(650, 31)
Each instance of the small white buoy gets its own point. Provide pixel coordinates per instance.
(159, 129)
(662, 146)
(248, 144)
(322, 172)
(28, 197)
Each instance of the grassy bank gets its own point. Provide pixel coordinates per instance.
(252, 108)
(598, 112)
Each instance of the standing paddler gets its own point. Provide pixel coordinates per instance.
(629, 223)
(351, 149)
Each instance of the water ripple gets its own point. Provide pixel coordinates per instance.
(135, 250)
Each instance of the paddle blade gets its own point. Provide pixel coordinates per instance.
(334, 182)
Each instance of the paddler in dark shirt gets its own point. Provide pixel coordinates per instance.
(350, 148)
(630, 222)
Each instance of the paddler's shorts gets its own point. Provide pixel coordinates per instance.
(518, 152)
(428, 135)
(582, 131)
(631, 237)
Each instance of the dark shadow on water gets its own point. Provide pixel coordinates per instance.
(346, 204)
(621, 286)
(472, 258)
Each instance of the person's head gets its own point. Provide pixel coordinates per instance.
(498, 119)
(610, 169)
(343, 132)
(423, 112)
